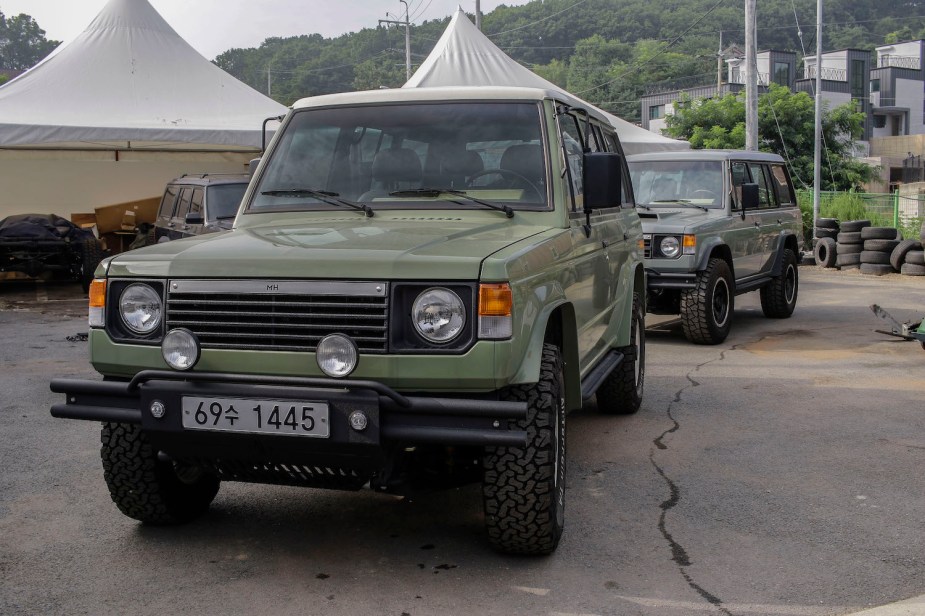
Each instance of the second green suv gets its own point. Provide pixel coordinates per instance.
(717, 223)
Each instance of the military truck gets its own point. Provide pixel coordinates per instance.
(419, 286)
(716, 224)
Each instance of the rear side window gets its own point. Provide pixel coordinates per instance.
(782, 185)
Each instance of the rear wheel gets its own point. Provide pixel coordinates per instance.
(523, 488)
(146, 488)
(706, 310)
(621, 392)
(779, 297)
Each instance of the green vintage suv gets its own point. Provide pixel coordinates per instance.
(419, 285)
(716, 224)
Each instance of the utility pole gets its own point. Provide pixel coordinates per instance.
(719, 67)
(407, 25)
(478, 15)
(269, 83)
(751, 78)
(817, 142)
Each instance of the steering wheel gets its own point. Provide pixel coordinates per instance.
(703, 191)
(509, 174)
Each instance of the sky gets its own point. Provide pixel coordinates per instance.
(214, 26)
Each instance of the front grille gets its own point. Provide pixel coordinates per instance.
(294, 316)
(647, 246)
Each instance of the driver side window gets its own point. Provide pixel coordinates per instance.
(574, 158)
(739, 177)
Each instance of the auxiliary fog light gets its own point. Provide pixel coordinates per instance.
(180, 349)
(337, 355)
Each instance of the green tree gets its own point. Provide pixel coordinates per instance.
(22, 42)
(786, 126)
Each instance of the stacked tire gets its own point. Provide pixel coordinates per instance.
(849, 245)
(879, 244)
(908, 257)
(824, 248)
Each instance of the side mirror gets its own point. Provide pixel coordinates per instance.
(252, 166)
(194, 218)
(749, 197)
(602, 179)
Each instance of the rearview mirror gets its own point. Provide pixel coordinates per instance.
(194, 218)
(749, 197)
(602, 178)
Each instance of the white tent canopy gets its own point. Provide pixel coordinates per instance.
(465, 56)
(129, 81)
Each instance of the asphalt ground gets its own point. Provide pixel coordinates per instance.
(779, 473)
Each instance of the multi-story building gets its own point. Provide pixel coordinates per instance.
(845, 79)
(888, 86)
(773, 67)
(897, 90)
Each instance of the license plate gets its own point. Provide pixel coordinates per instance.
(283, 417)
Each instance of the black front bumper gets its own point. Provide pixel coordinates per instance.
(393, 417)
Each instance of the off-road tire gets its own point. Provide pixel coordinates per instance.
(898, 256)
(875, 257)
(915, 257)
(523, 488)
(875, 269)
(853, 237)
(911, 269)
(886, 246)
(91, 253)
(827, 223)
(848, 249)
(848, 261)
(621, 392)
(146, 488)
(825, 252)
(879, 233)
(706, 310)
(822, 232)
(779, 297)
(852, 226)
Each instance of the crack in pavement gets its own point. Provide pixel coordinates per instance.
(678, 554)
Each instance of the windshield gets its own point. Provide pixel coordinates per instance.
(671, 182)
(406, 155)
(223, 200)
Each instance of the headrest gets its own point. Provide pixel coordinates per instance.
(462, 162)
(397, 165)
(525, 159)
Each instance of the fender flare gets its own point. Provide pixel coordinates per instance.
(787, 240)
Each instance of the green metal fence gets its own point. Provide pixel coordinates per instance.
(882, 209)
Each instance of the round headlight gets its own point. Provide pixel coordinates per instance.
(438, 314)
(337, 355)
(180, 349)
(140, 307)
(670, 247)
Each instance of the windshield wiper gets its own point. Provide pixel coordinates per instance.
(331, 198)
(684, 202)
(436, 192)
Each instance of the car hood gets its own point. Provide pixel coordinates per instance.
(671, 220)
(350, 247)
